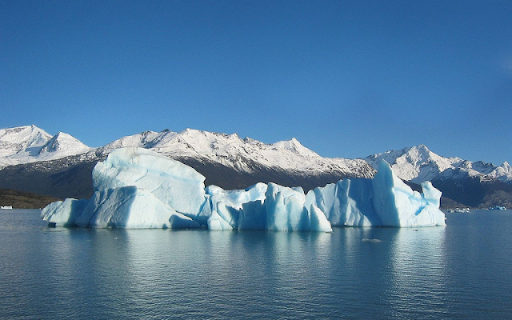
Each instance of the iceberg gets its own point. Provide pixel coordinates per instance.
(384, 201)
(130, 207)
(135, 188)
(63, 213)
(397, 205)
(139, 188)
(264, 207)
(174, 183)
(346, 203)
(287, 211)
(237, 209)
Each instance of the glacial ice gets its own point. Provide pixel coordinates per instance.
(346, 203)
(139, 188)
(397, 205)
(130, 207)
(175, 184)
(236, 209)
(63, 213)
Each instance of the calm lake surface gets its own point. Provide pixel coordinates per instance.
(461, 271)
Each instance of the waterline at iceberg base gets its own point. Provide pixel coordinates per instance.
(139, 188)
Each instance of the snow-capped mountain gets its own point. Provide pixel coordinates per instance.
(28, 144)
(62, 145)
(31, 144)
(418, 163)
(18, 145)
(239, 154)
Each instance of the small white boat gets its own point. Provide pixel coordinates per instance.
(6, 207)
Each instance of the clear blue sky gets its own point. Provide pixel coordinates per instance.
(346, 78)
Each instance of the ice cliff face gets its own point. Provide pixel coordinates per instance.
(138, 188)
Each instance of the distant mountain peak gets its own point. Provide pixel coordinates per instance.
(64, 144)
(296, 147)
(422, 147)
(419, 163)
(27, 144)
(23, 137)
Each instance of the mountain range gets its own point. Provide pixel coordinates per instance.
(31, 160)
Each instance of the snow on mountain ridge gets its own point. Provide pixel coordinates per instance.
(28, 144)
(418, 163)
(136, 140)
(20, 144)
(62, 145)
(231, 150)
(31, 144)
(503, 172)
(296, 147)
(20, 138)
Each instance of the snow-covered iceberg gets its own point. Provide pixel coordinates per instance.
(138, 188)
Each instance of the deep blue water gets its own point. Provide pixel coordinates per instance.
(461, 271)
